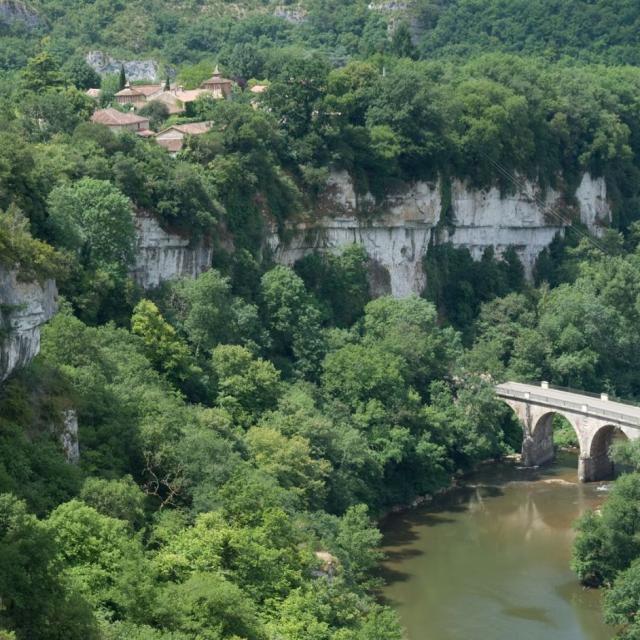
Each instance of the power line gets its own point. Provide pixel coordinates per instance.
(546, 208)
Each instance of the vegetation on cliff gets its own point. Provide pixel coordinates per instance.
(234, 425)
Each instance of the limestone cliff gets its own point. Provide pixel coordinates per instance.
(24, 308)
(12, 11)
(397, 233)
(134, 69)
(162, 256)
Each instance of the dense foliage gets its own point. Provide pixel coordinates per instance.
(606, 551)
(602, 31)
(240, 431)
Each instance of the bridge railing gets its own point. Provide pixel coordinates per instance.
(578, 407)
(613, 397)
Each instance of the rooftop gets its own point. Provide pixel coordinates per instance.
(189, 95)
(192, 128)
(140, 90)
(113, 117)
(128, 91)
(216, 78)
(148, 89)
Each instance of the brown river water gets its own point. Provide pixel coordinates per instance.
(490, 560)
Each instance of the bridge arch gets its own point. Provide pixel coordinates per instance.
(544, 423)
(599, 463)
(538, 445)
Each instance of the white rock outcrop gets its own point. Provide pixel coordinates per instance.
(24, 308)
(594, 208)
(162, 256)
(135, 70)
(12, 11)
(398, 232)
(69, 436)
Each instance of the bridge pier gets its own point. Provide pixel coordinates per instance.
(537, 444)
(595, 468)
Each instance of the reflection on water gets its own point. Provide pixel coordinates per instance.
(491, 560)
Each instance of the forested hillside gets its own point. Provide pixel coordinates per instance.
(239, 432)
(601, 31)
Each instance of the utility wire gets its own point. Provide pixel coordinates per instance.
(546, 208)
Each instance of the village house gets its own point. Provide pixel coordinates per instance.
(172, 138)
(138, 95)
(118, 121)
(178, 99)
(220, 87)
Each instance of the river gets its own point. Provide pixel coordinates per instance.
(490, 561)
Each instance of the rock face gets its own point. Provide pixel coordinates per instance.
(69, 436)
(134, 69)
(24, 308)
(387, 6)
(295, 15)
(398, 232)
(12, 11)
(162, 256)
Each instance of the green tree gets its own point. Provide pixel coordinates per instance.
(81, 74)
(246, 61)
(157, 112)
(162, 346)
(293, 319)
(357, 375)
(209, 607)
(339, 283)
(209, 314)
(37, 603)
(99, 558)
(121, 499)
(401, 42)
(247, 386)
(297, 84)
(357, 543)
(621, 603)
(95, 220)
(191, 76)
(607, 544)
(41, 73)
(289, 460)
(58, 110)
(408, 328)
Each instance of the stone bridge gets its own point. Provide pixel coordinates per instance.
(594, 419)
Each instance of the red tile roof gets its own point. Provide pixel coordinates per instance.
(148, 89)
(112, 117)
(128, 91)
(192, 128)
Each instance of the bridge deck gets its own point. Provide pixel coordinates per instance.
(606, 409)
